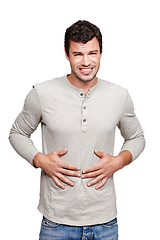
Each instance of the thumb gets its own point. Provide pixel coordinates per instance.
(61, 152)
(99, 153)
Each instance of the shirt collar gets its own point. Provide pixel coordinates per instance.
(80, 92)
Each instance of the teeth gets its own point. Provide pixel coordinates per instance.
(86, 69)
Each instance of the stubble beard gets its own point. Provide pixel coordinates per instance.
(85, 80)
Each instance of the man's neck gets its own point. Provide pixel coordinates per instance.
(85, 85)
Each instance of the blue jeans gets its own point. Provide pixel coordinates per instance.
(55, 231)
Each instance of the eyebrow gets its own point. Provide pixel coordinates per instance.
(76, 52)
(92, 51)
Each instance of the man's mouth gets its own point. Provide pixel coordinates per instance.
(86, 70)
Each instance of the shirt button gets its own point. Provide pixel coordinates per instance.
(81, 94)
(84, 120)
(84, 107)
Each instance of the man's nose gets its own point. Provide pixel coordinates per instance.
(86, 60)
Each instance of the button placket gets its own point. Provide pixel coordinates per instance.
(84, 112)
(84, 116)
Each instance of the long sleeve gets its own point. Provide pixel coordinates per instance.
(24, 125)
(131, 130)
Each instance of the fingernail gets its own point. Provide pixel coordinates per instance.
(88, 184)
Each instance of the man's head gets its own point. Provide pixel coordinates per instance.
(82, 31)
(83, 48)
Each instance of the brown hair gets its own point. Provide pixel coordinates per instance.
(82, 31)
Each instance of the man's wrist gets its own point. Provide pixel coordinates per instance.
(37, 160)
(124, 158)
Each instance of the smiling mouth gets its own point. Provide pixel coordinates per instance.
(86, 70)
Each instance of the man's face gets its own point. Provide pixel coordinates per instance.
(84, 59)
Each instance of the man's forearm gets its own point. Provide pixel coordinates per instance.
(125, 158)
(23, 146)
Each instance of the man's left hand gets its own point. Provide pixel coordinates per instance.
(106, 167)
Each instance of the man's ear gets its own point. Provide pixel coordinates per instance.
(66, 54)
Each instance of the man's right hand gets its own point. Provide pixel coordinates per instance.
(55, 168)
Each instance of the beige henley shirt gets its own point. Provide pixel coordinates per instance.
(80, 123)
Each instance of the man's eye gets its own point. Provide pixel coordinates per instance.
(77, 54)
(93, 53)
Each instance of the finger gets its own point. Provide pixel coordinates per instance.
(61, 152)
(91, 169)
(65, 180)
(91, 174)
(70, 173)
(69, 166)
(58, 183)
(99, 153)
(95, 180)
(100, 185)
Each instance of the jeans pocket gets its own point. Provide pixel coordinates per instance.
(110, 224)
(47, 223)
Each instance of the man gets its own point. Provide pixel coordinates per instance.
(79, 114)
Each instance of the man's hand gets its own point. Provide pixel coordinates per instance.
(106, 167)
(57, 169)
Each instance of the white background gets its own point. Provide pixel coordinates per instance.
(31, 51)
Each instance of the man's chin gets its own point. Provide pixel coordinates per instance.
(86, 78)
